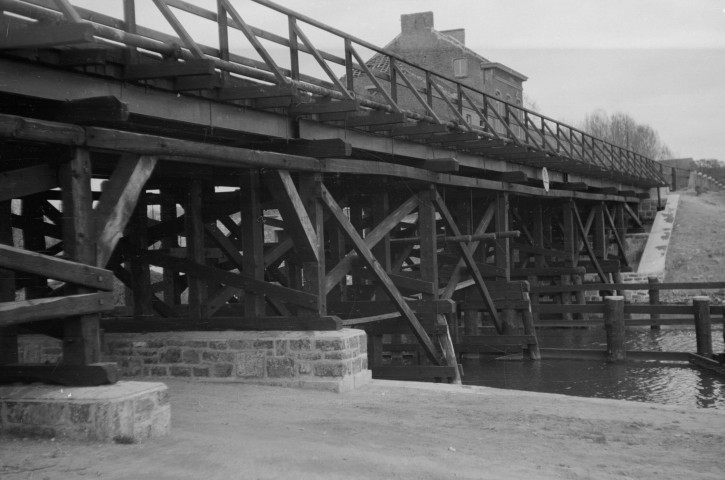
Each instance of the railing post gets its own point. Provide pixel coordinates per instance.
(703, 326)
(654, 299)
(614, 325)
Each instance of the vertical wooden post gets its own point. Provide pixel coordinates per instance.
(36, 286)
(314, 272)
(614, 325)
(703, 326)
(81, 335)
(8, 335)
(252, 235)
(530, 329)
(140, 273)
(600, 232)
(621, 223)
(566, 296)
(503, 258)
(168, 214)
(195, 248)
(223, 31)
(429, 272)
(578, 279)
(428, 250)
(654, 299)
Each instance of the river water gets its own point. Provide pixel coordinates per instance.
(670, 383)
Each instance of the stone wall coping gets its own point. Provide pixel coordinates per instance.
(119, 391)
(256, 335)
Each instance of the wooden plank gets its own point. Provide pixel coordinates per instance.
(48, 36)
(633, 215)
(55, 268)
(413, 372)
(469, 261)
(706, 363)
(381, 276)
(197, 82)
(144, 71)
(27, 181)
(238, 280)
(195, 244)
(23, 311)
(91, 375)
(298, 223)
(118, 201)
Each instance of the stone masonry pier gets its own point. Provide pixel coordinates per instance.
(323, 360)
(123, 412)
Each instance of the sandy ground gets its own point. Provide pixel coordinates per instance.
(697, 249)
(393, 430)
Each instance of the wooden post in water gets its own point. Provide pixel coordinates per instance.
(654, 299)
(614, 325)
(703, 326)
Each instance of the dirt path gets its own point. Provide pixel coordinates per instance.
(697, 249)
(395, 431)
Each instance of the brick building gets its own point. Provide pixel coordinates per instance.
(443, 52)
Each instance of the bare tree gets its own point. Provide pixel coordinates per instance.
(622, 130)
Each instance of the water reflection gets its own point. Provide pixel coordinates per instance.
(672, 384)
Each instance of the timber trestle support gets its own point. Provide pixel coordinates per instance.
(149, 183)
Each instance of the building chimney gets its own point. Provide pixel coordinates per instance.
(413, 22)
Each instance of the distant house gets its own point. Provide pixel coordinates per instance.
(445, 53)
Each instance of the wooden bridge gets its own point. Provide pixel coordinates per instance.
(231, 187)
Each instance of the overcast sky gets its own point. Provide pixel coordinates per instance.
(660, 61)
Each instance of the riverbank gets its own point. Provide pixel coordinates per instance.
(392, 430)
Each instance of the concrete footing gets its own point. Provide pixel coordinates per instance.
(125, 412)
(322, 360)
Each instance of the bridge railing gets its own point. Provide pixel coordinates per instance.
(515, 133)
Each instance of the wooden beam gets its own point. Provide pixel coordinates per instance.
(82, 344)
(48, 36)
(367, 256)
(296, 218)
(19, 312)
(68, 375)
(118, 201)
(171, 69)
(27, 181)
(55, 268)
(195, 237)
(251, 232)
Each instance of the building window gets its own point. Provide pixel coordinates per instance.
(468, 118)
(460, 67)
